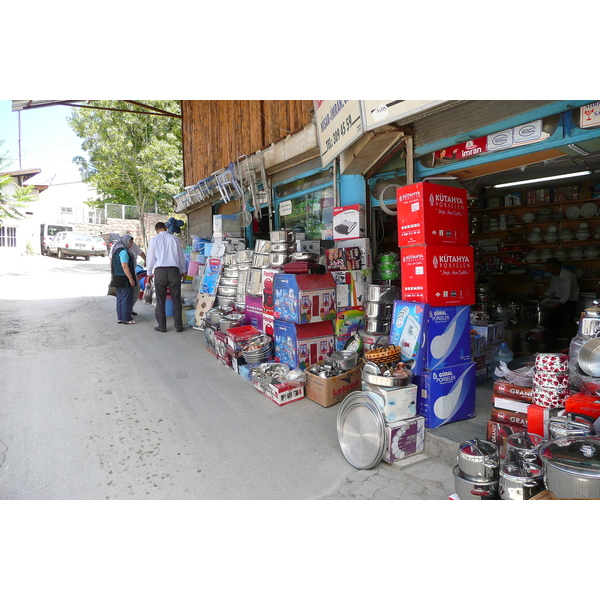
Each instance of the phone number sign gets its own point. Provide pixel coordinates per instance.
(339, 124)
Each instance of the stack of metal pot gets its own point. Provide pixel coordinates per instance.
(243, 259)
(378, 306)
(476, 476)
(228, 282)
(521, 475)
(282, 245)
(339, 362)
(261, 258)
(551, 382)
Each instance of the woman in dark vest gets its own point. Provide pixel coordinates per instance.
(122, 269)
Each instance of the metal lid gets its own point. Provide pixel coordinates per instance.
(575, 454)
(361, 430)
(591, 311)
(521, 472)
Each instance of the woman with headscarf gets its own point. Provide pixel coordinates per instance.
(122, 268)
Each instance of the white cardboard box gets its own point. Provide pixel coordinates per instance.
(349, 222)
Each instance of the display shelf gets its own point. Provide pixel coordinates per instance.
(499, 209)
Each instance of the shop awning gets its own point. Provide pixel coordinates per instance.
(148, 110)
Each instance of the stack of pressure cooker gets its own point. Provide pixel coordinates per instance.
(378, 307)
(232, 284)
(476, 475)
(282, 245)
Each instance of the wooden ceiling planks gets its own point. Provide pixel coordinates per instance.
(217, 132)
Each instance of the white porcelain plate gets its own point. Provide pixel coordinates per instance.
(572, 212)
(589, 210)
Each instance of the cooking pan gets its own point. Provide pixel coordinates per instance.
(589, 357)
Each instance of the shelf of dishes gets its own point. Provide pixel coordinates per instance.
(583, 198)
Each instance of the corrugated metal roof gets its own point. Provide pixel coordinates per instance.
(25, 104)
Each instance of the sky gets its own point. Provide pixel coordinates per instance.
(47, 143)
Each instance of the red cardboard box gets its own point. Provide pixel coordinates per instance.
(509, 417)
(438, 275)
(432, 214)
(280, 393)
(512, 404)
(505, 388)
(583, 404)
(237, 335)
(538, 418)
(498, 432)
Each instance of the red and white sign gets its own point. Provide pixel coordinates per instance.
(432, 214)
(464, 150)
(438, 275)
(589, 115)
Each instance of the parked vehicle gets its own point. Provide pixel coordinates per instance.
(110, 239)
(99, 246)
(71, 243)
(47, 231)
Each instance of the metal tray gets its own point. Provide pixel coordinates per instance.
(396, 382)
(361, 430)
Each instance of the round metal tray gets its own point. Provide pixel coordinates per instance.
(386, 381)
(361, 430)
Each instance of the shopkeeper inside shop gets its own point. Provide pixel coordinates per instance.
(560, 301)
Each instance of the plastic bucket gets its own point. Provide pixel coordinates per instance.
(169, 307)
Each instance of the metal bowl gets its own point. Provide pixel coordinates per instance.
(345, 360)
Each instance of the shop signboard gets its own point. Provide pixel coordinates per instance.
(382, 112)
(589, 115)
(339, 124)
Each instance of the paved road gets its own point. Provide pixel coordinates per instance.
(95, 410)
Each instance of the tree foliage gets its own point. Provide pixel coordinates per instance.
(11, 206)
(134, 158)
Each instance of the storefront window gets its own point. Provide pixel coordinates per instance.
(306, 206)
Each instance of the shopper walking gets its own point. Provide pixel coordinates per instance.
(122, 269)
(166, 266)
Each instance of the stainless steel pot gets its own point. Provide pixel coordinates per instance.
(589, 324)
(229, 321)
(523, 446)
(520, 481)
(277, 259)
(370, 340)
(281, 247)
(479, 460)
(572, 467)
(243, 256)
(374, 310)
(262, 246)
(260, 261)
(382, 294)
(283, 236)
(377, 327)
(589, 357)
(571, 424)
(226, 291)
(229, 281)
(214, 315)
(345, 360)
(474, 490)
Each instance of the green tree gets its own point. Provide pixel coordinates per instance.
(134, 158)
(12, 205)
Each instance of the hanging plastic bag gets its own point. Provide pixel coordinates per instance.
(148, 293)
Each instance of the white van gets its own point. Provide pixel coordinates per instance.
(48, 231)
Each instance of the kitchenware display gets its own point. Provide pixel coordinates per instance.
(478, 460)
(550, 238)
(228, 281)
(227, 292)
(231, 320)
(466, 489)
(372, 340)
(262, 246)
(214, 315)
(572, 212)
(546, 379)
(566, 235)
(591, 252)
(589, 357)
(381, 312)
(231, 271)
(582, 235)
(575, 253)
(361, 429)
(561, 254)
(278, 259)
(535, 238)
(589, 323)
(550, 397)
(572, 467)
(552, 229)
(254, 282)
(588, 210)
(520, 481)
(384, 354)
(551, 362)
(345, 360)
(545, 254)
(583, 226)
(377, 327)
(532, 256)
(571, 424)
(258, 349)
(383, 294)
(306, 256)
(270, 372)
(479, 317)
(261, 261)
(284, 236)
(528, 217)
(523, 446)
(226, 301)
(243, 256)
(229, 259)
(282, 247)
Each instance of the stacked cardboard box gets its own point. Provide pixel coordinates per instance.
(432, 322)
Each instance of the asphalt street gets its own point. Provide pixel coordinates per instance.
(97, 410)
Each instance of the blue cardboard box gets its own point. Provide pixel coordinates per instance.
(446, 395)
(432, 336)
